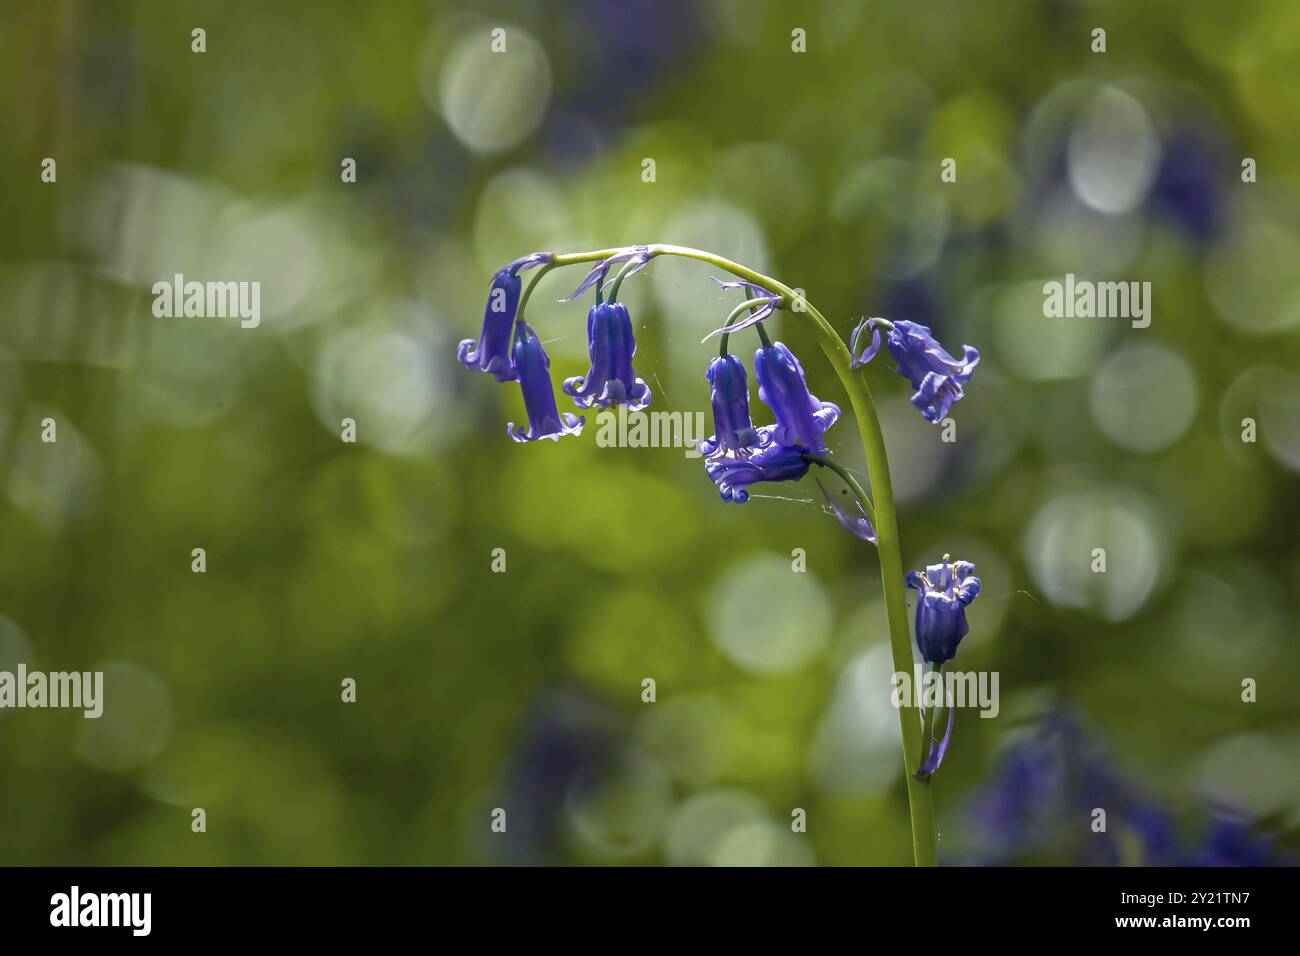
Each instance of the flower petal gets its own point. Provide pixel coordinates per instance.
(932, 762)
(858, 525)
(860, 360)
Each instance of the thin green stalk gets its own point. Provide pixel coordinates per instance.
(618, 281)
(888, 548)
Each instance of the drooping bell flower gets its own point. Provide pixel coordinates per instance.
(937, 376)
(534, 373)
(733, 428)
(491, 351)
(946, 590)
(733, 474)
(611, 380)
(801, 417)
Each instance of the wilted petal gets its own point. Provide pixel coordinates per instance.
(640, 255)
(751, 318)
(857, 524)
(932, 762)
(855, 341)
(530, 260)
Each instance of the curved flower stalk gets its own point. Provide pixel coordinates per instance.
(740, 454)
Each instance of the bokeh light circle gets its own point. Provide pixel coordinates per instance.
(768, 618)
(1143, 397)
(493, 100)
(1061, 548)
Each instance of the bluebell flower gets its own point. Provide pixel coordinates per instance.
(733, 473)
(611, 344)
(801, 417)
(937, 376)
(733, 428)
(1232, 841)
(491, 351)
(534, 370)
(946, 591)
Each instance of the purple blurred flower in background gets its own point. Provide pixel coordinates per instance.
(1188, 185)
(612, 344)
(1040, 801)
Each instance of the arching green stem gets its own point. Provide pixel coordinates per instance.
(888, 548)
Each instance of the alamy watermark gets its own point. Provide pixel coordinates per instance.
(75, 908)
(624, 429)
(77, 690)
(208, 300)
(1085, 299)
(949, 689)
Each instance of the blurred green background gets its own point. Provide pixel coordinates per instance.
(522, 690)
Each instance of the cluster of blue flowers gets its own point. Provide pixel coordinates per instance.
(739, 454)
(1039, 804)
